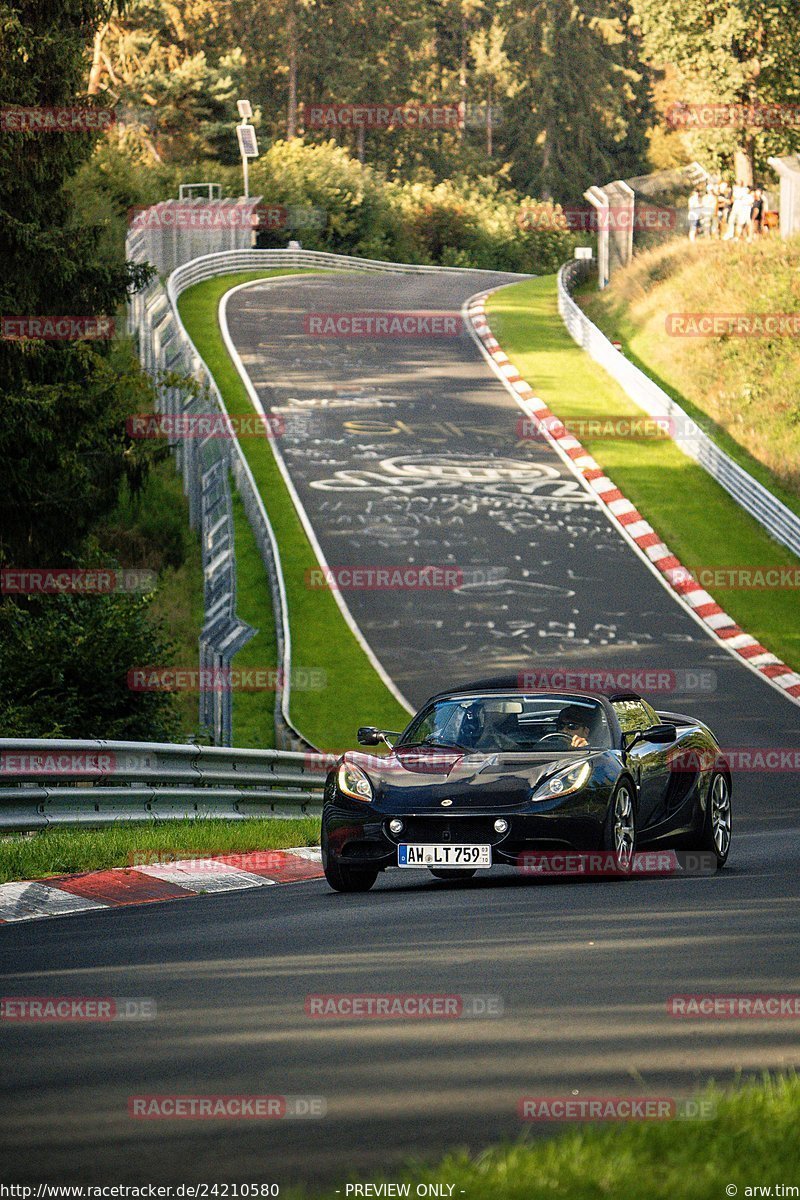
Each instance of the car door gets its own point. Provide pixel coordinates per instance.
(648, 761)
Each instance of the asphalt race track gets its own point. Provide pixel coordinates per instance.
(444, 477)
(424, 467)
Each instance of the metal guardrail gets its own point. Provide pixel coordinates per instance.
(226, 261)
(754, 498)
(46, 782)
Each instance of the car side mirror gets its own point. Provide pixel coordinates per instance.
(368, 735)
(661, 734)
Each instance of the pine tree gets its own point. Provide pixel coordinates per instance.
(62, 436)
(582, 108)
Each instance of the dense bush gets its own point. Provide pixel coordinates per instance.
(64, 663)
(335, 203)
(462, 222)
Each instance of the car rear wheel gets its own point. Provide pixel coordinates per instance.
(619, 835)
(349, 879)
(715, 837)
(444, 873)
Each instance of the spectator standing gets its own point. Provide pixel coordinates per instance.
(756, 215)
(742, 204)
(695, 210)
(708, 210)
(724, 210)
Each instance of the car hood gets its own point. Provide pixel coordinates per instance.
(421, 779)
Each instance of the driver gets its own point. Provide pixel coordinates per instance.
(572, 722)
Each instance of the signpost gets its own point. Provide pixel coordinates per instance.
(248, 144)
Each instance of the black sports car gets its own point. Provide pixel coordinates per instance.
(485, 773)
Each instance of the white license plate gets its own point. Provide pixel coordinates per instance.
(412, 855)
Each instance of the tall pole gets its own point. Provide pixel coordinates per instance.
(246, 172)
(245, 112)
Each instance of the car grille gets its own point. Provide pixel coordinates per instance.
(450, 829)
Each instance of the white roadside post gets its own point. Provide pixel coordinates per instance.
(248, 144)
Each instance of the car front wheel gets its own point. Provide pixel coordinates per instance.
(715, 837)
(619, 834)
(349, 879)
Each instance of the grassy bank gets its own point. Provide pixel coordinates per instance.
(321, 640)
(66, 851)
(744, 391)
(695, 517)
(751, 1142)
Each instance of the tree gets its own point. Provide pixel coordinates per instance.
(49, 265)
(64, 403)
(493, 73)
(583, 103)
(177, 72)
(741, 52)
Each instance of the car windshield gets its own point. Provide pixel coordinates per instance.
(510, 722)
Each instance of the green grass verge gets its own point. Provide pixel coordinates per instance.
(751, 1142)
(321, 640)
(66, 851)
(699, 521)
(742, 391)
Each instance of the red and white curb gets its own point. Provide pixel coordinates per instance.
(121, 886)
(630, 521)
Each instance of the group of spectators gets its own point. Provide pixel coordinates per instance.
(727, 212)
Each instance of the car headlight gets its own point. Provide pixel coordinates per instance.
(353, 782)
(568, 779)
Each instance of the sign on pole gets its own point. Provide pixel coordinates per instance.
(248, 144)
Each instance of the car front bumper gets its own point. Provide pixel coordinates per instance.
(359, 835)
